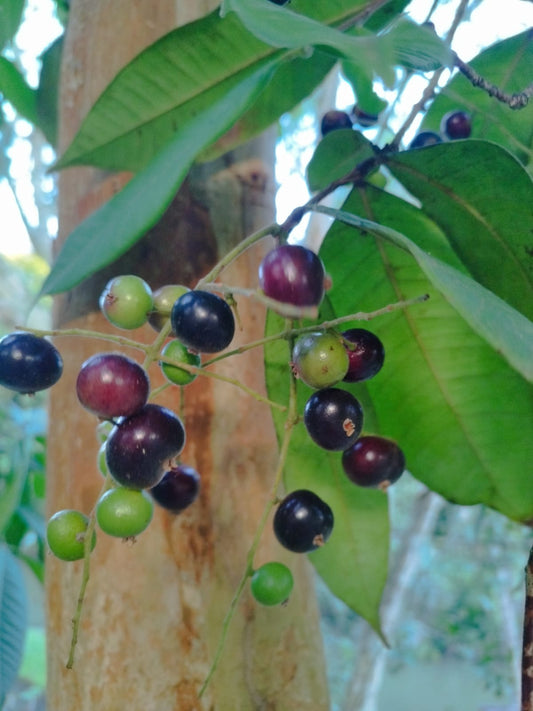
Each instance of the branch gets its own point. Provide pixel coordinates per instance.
(527, 644)
(515, 101)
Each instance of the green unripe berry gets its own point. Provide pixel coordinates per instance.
(65, 534)
(272, 583)
(320, 359)
(176, 351)
(164, 299)
(123, 512)
(101, 461)
(127, 301)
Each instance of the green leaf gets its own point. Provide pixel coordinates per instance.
(462, 416)
(117, 225)
(362, 84)
(418, 47)
(335, 156)
(353, 563)
(13, 611)
(507, 331)
(195, 66)
(481, 197)
(10, 19)
(47, 91)
(291, 83)
(14, 88)
(507, 64)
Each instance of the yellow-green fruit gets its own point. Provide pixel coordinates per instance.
(176, 351)
(65, 534)
(123, 512)
(320, 359)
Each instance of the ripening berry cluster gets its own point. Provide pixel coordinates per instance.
(141, 441)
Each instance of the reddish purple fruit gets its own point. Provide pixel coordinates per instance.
(140, 448)
(178, 488)
(293, 274)
(374, 462)
(112, 385)
(365, 352)
(456, 124)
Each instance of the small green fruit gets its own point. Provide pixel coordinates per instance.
(176, 351)
(65, 533)
(123, 512)
(272, 583)
(164, 299)
(320, 359)
(127, 301)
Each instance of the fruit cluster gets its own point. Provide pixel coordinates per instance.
(453, 126)
(141, 441)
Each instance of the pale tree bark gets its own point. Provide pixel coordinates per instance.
(153, 612)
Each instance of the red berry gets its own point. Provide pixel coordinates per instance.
(365, 353)
(373, 462)
(456, 124)
(292, 274)
(112, 385)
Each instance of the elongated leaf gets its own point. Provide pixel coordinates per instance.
(353, 563)
(481, 197)
(173, 80)
(335, 156)
(117, 225)
(14, 89)
(462, 416)
(508, 332)
(508, 65)
(47, 91)
(13, 610)
(405, 43)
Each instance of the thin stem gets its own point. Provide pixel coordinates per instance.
(87, 550)
(272, 501)
(224, 378)
(84, 333)
(287, 310)
(517, 100)
(236, 252)
(323, 326)
(527, 643)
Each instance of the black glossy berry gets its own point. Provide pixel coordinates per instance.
(333, 120)
(373, 461)
(425, 138)
(178, 488)
(112, 385)
(203, 321)
(303, 521)
(139, 448)
(456, 124)
(333, 418)
(366, 354)
(293, 274)
(280, 2)
(28, 363)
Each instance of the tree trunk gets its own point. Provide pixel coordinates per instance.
(153, 611)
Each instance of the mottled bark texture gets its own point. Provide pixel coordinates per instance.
(153, 612)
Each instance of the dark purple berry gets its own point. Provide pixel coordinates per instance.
(293, 274)
(425, 138)
(28, 363)
(280, 2)
(303, 522)
(203, 321)
(333, 418)
(456, 124)
(374, 462)
(140, 447)
(112, 385)
(333, 120)
(365, 352)
(178, 488)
